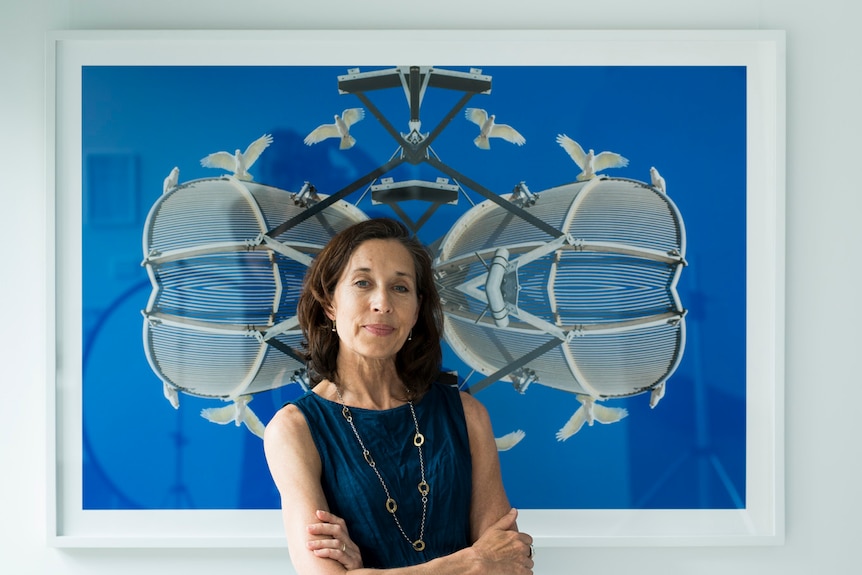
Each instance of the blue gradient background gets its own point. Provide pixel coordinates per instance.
(139, 122)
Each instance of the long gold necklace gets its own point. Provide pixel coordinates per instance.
(424, 488)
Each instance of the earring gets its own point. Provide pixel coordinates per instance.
(410, 336)
(333, 325)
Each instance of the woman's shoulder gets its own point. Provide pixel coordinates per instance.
(473, 408)
(289, 431)
(286, 422)
(453, 398)
(296, 410)
(290, 449)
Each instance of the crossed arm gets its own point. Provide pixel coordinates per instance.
(319, 542)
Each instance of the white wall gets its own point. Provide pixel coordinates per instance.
(823, 388)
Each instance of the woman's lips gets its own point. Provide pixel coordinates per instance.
(379, 329)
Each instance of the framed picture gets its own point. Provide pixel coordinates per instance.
(605, 211)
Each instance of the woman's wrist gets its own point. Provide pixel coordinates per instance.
(466, 562)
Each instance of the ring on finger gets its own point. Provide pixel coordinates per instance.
(532, 551)
(343, 547)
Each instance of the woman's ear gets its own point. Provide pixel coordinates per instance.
(329, 311)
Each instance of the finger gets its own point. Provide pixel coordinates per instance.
(327, 544)
(342, 553)
(328, 517)
(326, 529)
(507, 521)
(329, 547)
(334, 549)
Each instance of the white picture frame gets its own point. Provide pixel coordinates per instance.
(761, 522)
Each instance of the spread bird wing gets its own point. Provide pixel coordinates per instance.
(352, 115)
(255, 149)
(476, 115)
(604, 414)
(508, 133)
(221, 160)
(253, 422)
(321, 133)
(573, 425)
(609, 160)
(220, 415)
(509, 440)
(573, 148)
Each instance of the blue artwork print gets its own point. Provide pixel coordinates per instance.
(587, 227)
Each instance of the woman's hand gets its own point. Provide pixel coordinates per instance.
(339, 546)
(503, 550)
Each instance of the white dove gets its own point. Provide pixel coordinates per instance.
(340, 129)
(239, 162)
(488, 128)
(656, 394)
(171, 181)
(590, 163)
(589, 412)
(657, 180)
(237, 412)
(509, 440)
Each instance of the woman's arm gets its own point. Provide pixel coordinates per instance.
(315, 550)
(294, 464)
(500, 551)
(489, 500)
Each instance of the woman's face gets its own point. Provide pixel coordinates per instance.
(375, 303)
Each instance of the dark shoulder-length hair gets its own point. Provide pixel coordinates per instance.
(418, 362)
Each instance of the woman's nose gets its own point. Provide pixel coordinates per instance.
(381, 301)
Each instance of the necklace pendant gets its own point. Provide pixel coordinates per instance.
(419, 545)
(424, 488)
(391, 506)
(368, 459)
(418, 439)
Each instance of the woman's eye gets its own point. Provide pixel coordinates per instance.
(402, 289)
(361, 283)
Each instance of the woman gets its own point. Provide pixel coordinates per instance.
(378, 465)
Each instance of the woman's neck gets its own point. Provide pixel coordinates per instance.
(369, 385)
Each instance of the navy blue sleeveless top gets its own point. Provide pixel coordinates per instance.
(354, 492)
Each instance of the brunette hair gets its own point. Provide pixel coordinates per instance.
(418, 361)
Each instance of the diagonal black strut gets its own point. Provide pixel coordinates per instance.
(286, 349)
(510, 367)
(505, 204)
(414, 153)
(447, 118)
(340, 194)
(387, 125)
